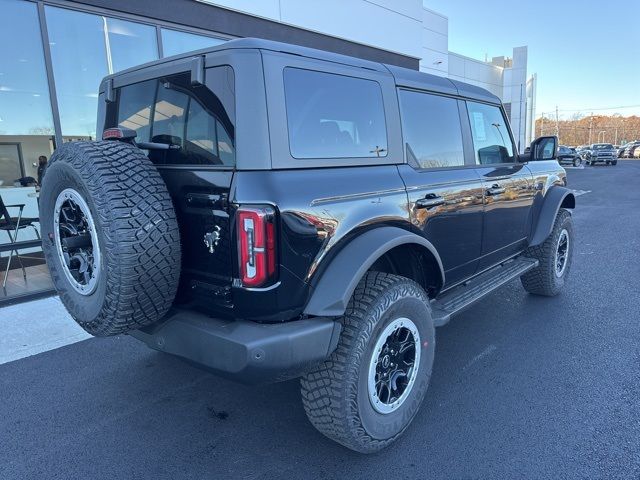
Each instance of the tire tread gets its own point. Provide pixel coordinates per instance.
(142, 253)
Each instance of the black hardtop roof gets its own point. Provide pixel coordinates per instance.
(404, 77)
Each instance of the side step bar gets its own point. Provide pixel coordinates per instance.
(464, 295)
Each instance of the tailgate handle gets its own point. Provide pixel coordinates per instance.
(204, 200)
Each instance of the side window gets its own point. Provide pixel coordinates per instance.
(334, 116)
(134, 111)
(431, 129)
(491, 138)
(170, 114)
(199, 121)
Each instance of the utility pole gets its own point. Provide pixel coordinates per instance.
(557, 125)
(542, 125)
(590, 127)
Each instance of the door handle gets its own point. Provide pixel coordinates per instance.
(496, 190)
(429, 201)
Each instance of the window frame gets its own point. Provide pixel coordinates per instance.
(159, 72)
(500, 107)
(281, 157)
(468, 159)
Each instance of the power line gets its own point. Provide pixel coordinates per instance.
(595, 109)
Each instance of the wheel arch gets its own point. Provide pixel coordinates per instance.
(387, 249)
(556, 198)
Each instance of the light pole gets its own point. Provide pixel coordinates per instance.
(601, 132)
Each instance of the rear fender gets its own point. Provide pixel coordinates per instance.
(335, 287)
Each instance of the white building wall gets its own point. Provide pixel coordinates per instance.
(435, 43)
(515, 94)
(391, 25)
(475, 72)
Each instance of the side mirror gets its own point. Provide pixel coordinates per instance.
(544, 148)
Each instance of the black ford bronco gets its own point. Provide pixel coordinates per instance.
(269, 211)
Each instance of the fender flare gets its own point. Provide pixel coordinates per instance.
(557, 197)
(331, 294)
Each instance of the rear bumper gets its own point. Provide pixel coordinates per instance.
(242, 350)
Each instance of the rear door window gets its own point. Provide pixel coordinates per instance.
(198, 121)
(431, 130)
(334, 116)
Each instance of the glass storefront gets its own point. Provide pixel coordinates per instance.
(175, 42)
(84, 47)
(26, 134)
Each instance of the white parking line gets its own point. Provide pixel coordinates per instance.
(36, 327)
(577, 193)
(485, 353)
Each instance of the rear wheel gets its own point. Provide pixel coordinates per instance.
(110, 236)
(368, 391)
(554, 257)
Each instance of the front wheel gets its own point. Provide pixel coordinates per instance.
(554, 257)
(576, 162)
(368, 391)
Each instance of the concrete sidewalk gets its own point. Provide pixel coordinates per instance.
(35, 327)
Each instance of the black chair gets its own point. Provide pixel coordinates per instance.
(12, 225)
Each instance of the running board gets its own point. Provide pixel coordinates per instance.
(464, 295)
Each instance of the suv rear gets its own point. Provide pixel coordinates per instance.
(269, 211)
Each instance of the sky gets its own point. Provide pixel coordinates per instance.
(586, 53)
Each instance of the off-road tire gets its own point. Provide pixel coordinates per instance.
(576, 162)
(335, 394)
(543, 279)
(136, 229)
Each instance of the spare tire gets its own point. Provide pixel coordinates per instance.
(110, 236)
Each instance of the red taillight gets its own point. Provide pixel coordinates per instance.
(256, 245)
(118, 134)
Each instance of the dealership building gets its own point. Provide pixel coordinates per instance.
(54, 53)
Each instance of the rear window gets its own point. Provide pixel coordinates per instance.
(199, 121)
(334, 116)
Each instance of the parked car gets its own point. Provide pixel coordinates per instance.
(257, 209)
(630, 149)
(583, 151)
(569, 155)
(602, 152)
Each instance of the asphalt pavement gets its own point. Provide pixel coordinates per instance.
(523, 387)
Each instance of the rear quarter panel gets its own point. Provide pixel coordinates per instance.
(319, 211)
